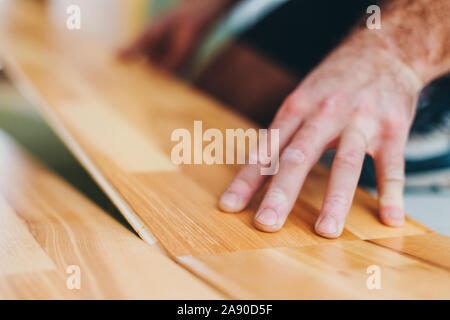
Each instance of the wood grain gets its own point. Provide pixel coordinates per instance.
(46, 226)
(118, 118)
(337, 270)
(432, 248)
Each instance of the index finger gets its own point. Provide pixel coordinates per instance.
(249, 179)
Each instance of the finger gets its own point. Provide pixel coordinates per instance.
(390, 166)
(239, 192)
(249, 179)
(345, 173)
(287, 121)
(181, 44)
(295, 163)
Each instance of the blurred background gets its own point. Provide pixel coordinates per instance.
(117, 23)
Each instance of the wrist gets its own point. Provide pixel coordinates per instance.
(414, 35)
(382, 57)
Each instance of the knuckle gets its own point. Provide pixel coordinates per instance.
(291, 108)
(387, 199)
(394, 126)
(311, 128)
(359, 132)
(241, 185)
(395, 169)
(276, 194)
(336, 200)
(392, 186)
(392, 179)
(330, 104)
(295, 154)
(351, 159)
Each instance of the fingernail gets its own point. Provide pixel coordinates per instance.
(394, 215)
(267, 217)
(327, 225)
(229, 200)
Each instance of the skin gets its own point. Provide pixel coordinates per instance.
(170, 40)
(368, 110)
(360, 100)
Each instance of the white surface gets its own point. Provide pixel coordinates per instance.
(431, 209)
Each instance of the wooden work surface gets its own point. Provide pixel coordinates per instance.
(46, 226)
(118, 118)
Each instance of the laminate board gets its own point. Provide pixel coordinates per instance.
(337, 270)
(117, 118)
(432, 248)
(47, 227)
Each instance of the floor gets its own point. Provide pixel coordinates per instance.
(22, 122)
(432, 208)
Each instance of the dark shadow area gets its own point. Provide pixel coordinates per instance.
(29, 129)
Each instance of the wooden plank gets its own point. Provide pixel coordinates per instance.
(37, 285)
(100, 106)
(432, 248)
(46, 226)
(19, 251)
(337, 270)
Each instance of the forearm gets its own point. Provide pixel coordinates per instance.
(418, 32)
(414, 32)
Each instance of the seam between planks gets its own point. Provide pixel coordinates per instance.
(409, 255)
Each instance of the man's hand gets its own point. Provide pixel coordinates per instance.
(170, 40)
(361, 99)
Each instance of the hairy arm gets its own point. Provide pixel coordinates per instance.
(360, 100)
(418, 32)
